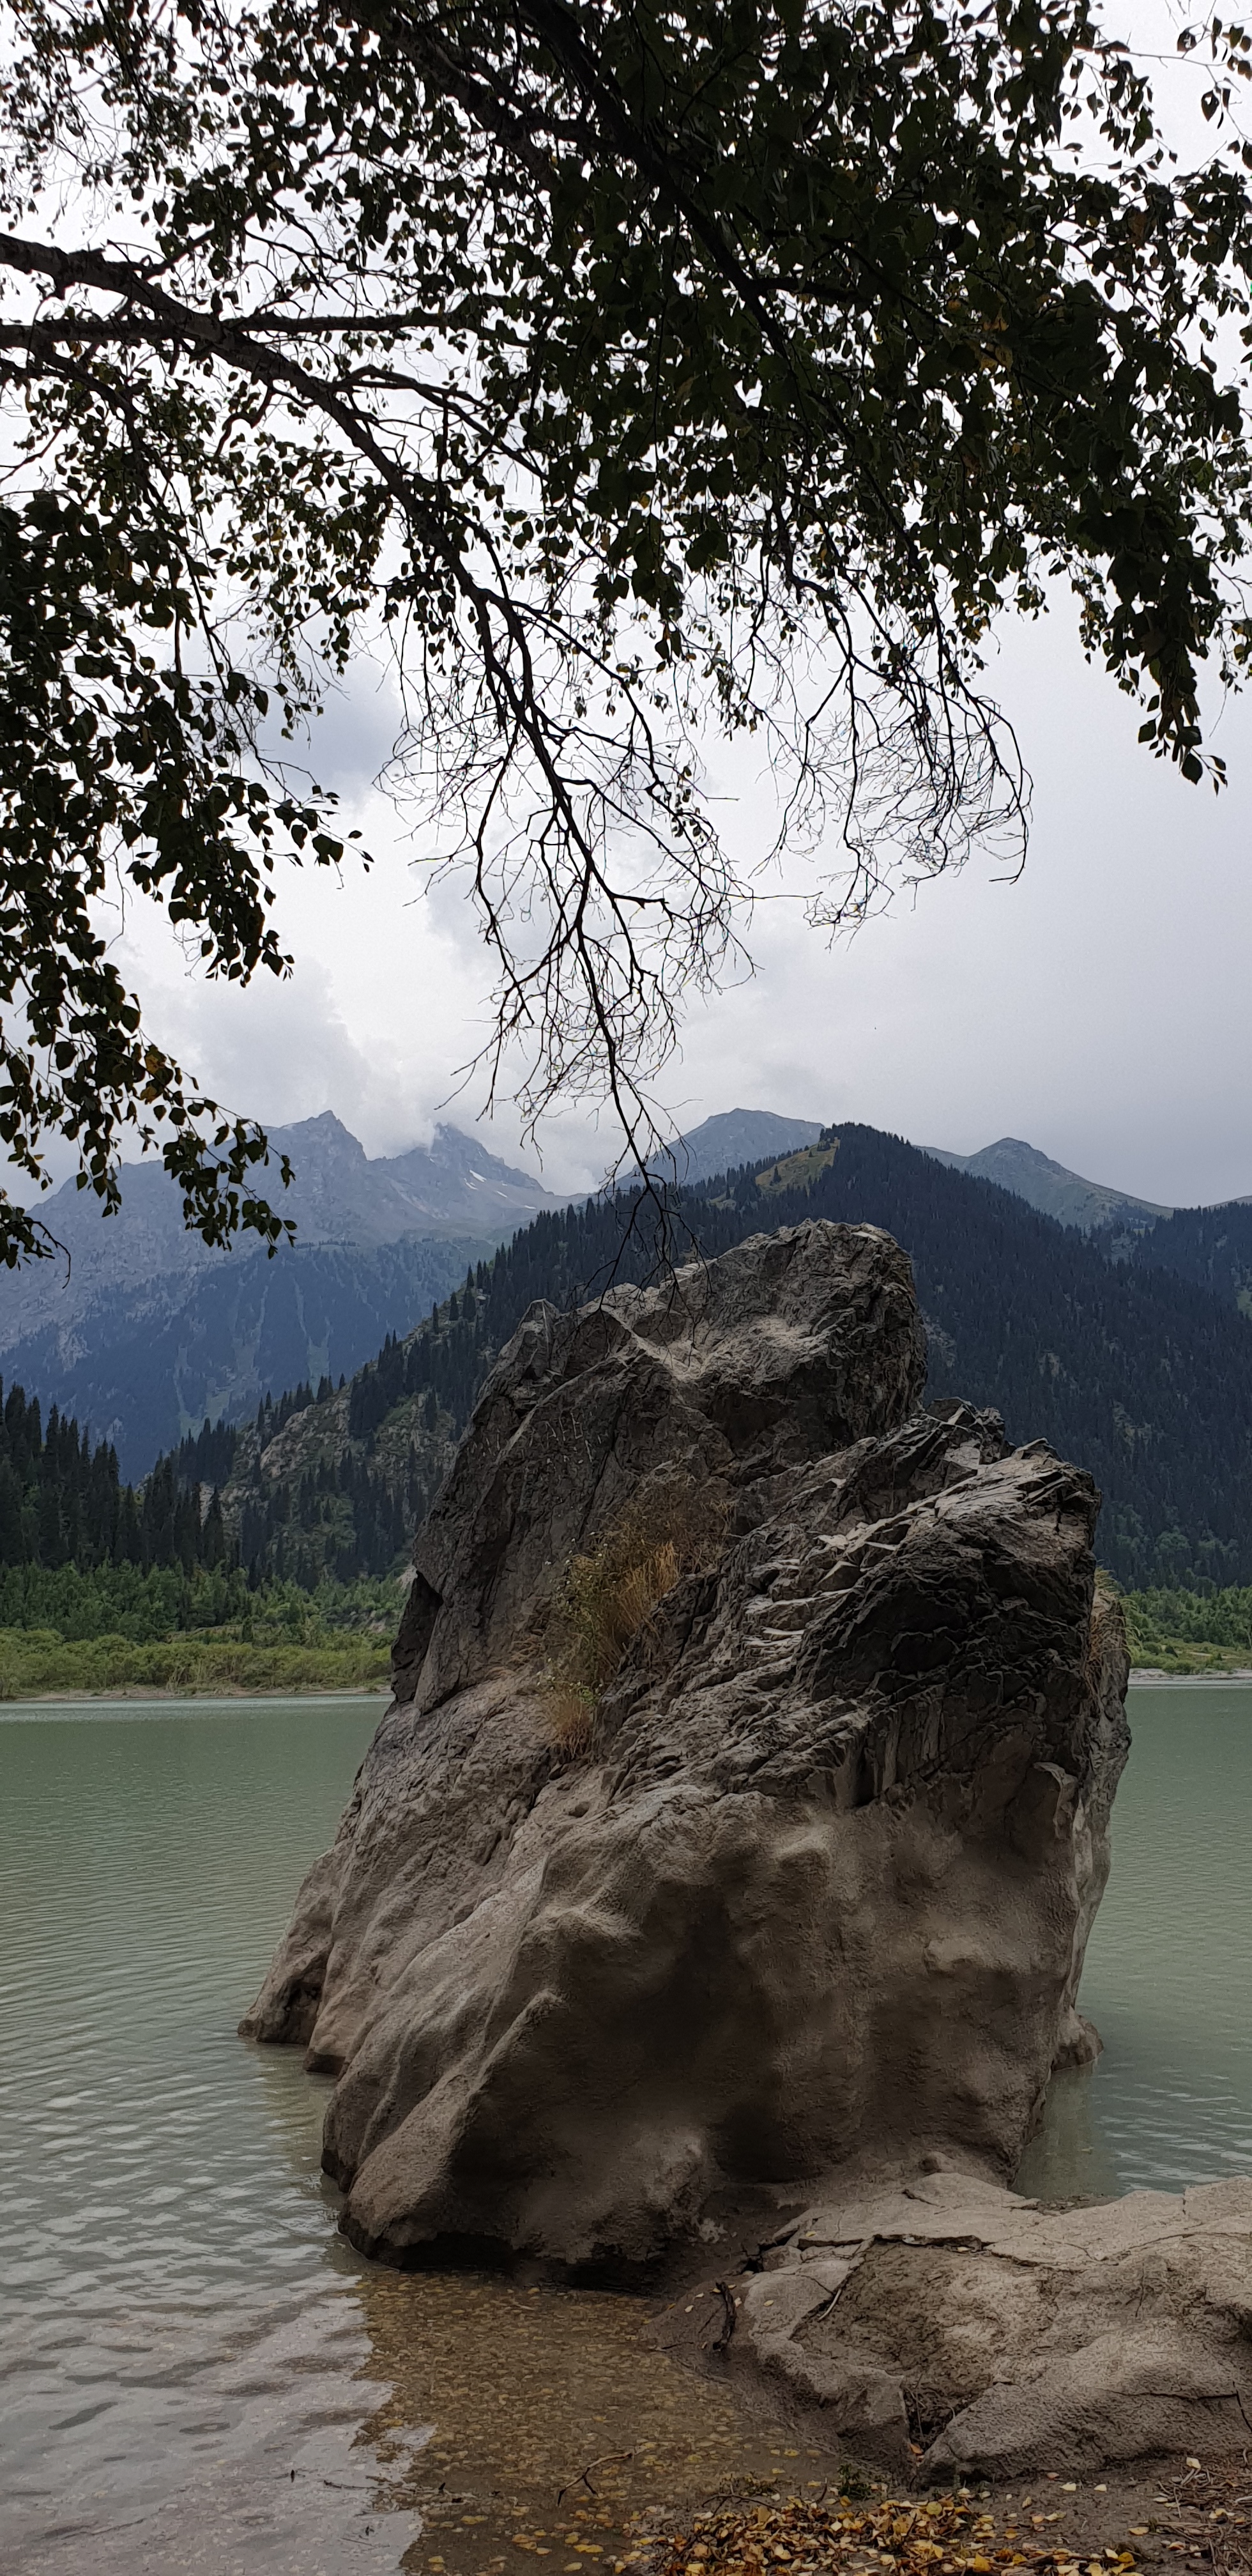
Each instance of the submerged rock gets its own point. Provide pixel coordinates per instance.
(819, 1892)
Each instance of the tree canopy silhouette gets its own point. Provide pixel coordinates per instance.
(627, 371)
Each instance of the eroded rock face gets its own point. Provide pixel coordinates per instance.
(790, 1346)
(821, 1891)
(1003, 2338)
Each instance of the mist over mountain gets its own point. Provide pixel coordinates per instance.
(339, 1195)
(139, 1330)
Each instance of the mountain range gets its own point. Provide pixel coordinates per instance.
(733, 1137)
(1048, 1186)
(1126, 1345)
(738, 1136)
(140, 1331)
(1129, 1354)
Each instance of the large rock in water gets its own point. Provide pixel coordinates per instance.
(819, 1894)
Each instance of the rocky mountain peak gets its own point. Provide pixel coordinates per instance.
(326, 1136)
(1014, 1165)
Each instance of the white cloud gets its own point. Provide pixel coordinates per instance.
(1098, 1007)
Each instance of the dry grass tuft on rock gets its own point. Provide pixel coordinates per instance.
(571, 1717)
(610, 1596)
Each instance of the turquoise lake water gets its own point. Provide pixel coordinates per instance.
(197, 2373)
(1169, 1966)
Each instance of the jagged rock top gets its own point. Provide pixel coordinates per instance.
(790, 1346)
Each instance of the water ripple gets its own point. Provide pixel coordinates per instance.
(179, 2374)
(1169, 1965)
(192, 2356)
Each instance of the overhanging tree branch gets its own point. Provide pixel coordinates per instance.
(633, 374)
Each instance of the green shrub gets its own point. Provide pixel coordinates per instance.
(35, 1664)
(122, 1601)
(1190, 1631)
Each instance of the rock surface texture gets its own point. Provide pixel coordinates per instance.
(1002, 2338)
(818, 1896)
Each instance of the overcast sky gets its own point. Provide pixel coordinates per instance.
(1099, 1007)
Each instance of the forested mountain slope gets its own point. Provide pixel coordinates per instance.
(141, 1368)
(62, 1502)
(1211, 1246)
(1141, 1375)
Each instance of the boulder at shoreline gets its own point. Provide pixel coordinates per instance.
(817, 1894)
(950, 2328)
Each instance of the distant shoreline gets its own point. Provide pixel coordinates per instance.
(1154, 1677)
(224, 1693)
(36, 1664)
(1147, 1677)
(225, 1696)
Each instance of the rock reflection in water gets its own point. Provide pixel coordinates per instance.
(1168, 1966)
(552, 2422)
(1069, 2158)
(191, 2355)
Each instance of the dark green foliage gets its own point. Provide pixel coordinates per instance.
(103, 751)
(334, 1522)
(124, 1600)
(63, 1503)
(205, 1457)
(1210, 1245)
(144, 1608)
(443, 1363)
(1217, 1618)
(639, 373)
(79, 1549)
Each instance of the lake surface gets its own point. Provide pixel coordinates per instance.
(197, 2372)
(1169, 1965)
